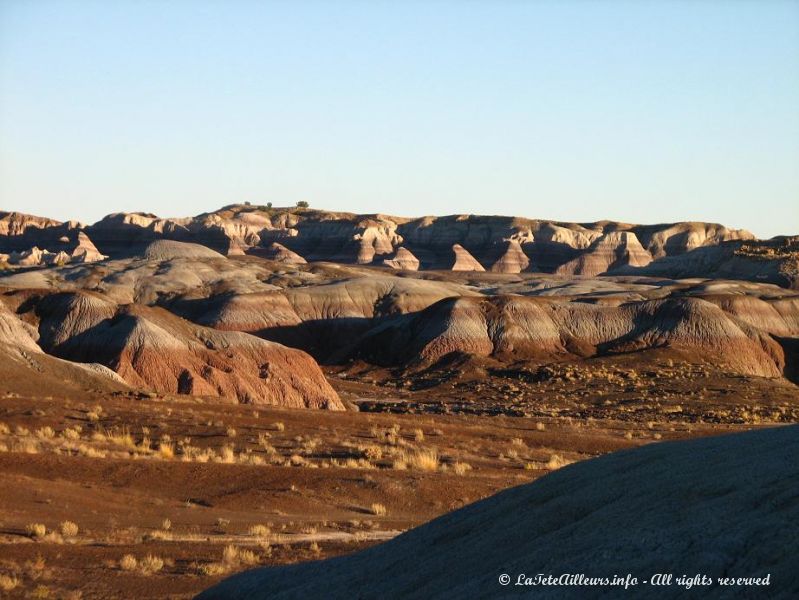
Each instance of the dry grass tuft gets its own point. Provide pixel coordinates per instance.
(378, 509)
(556, 461)
(150, 564)
(8, 582)
(69, 529)
(259, 530)
(128, 563)
(423, 459)
(460, 468)
(36, 530)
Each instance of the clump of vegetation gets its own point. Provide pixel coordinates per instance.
(259, 531)
(128, 563)
(460, 468)
(8, 582)
(69, 529)
(378, 509)
(36, 530)
(556, 461)
(423, 459)
(150, 564)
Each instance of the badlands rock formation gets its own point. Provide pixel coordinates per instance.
(168, 250)
(279, 253)
(510, 258)
(169, 284)
(403, 259)
(28, 241)
(513, 328)
(24, 367)
(606, 254)
(459, 242)
(463, 261)
(153, 349)
(722, 506)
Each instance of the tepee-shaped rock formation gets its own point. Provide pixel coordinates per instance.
(613, 250)
(403, 259)
(463, 261)
(511, 258)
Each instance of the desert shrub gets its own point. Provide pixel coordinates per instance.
(227, 454)
(460, 468)
(128, 562)
(36, 530)
(166, 450)
(378, 509)
(8, 582)
(151, 564)
(230, 555)
(45, 433)
(69, 529)
(71, 433)
(212, 569)
(556, 462)
(247, 557)
(258, 530)
(424, 459)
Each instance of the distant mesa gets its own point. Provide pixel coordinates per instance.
(466, 243)
(403, 259)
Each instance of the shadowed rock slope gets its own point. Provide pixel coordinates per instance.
(516, 328)
(24, 368)
(723, 506)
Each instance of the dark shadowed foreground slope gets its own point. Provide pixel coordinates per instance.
(725, 507)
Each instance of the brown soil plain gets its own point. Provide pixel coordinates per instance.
(184, 399)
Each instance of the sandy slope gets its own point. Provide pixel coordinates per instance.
(723, 506)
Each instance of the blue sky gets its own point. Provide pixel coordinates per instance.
(646, 111)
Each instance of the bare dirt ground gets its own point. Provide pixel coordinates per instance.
(135, 495)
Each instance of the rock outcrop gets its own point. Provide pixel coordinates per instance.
(501, 244)
(606, 254)
(463, 261)
(517, 328)
(279, 253)
(403, 260)
(85, 251)
(168, 250)
(510, 258)
(153, 349)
